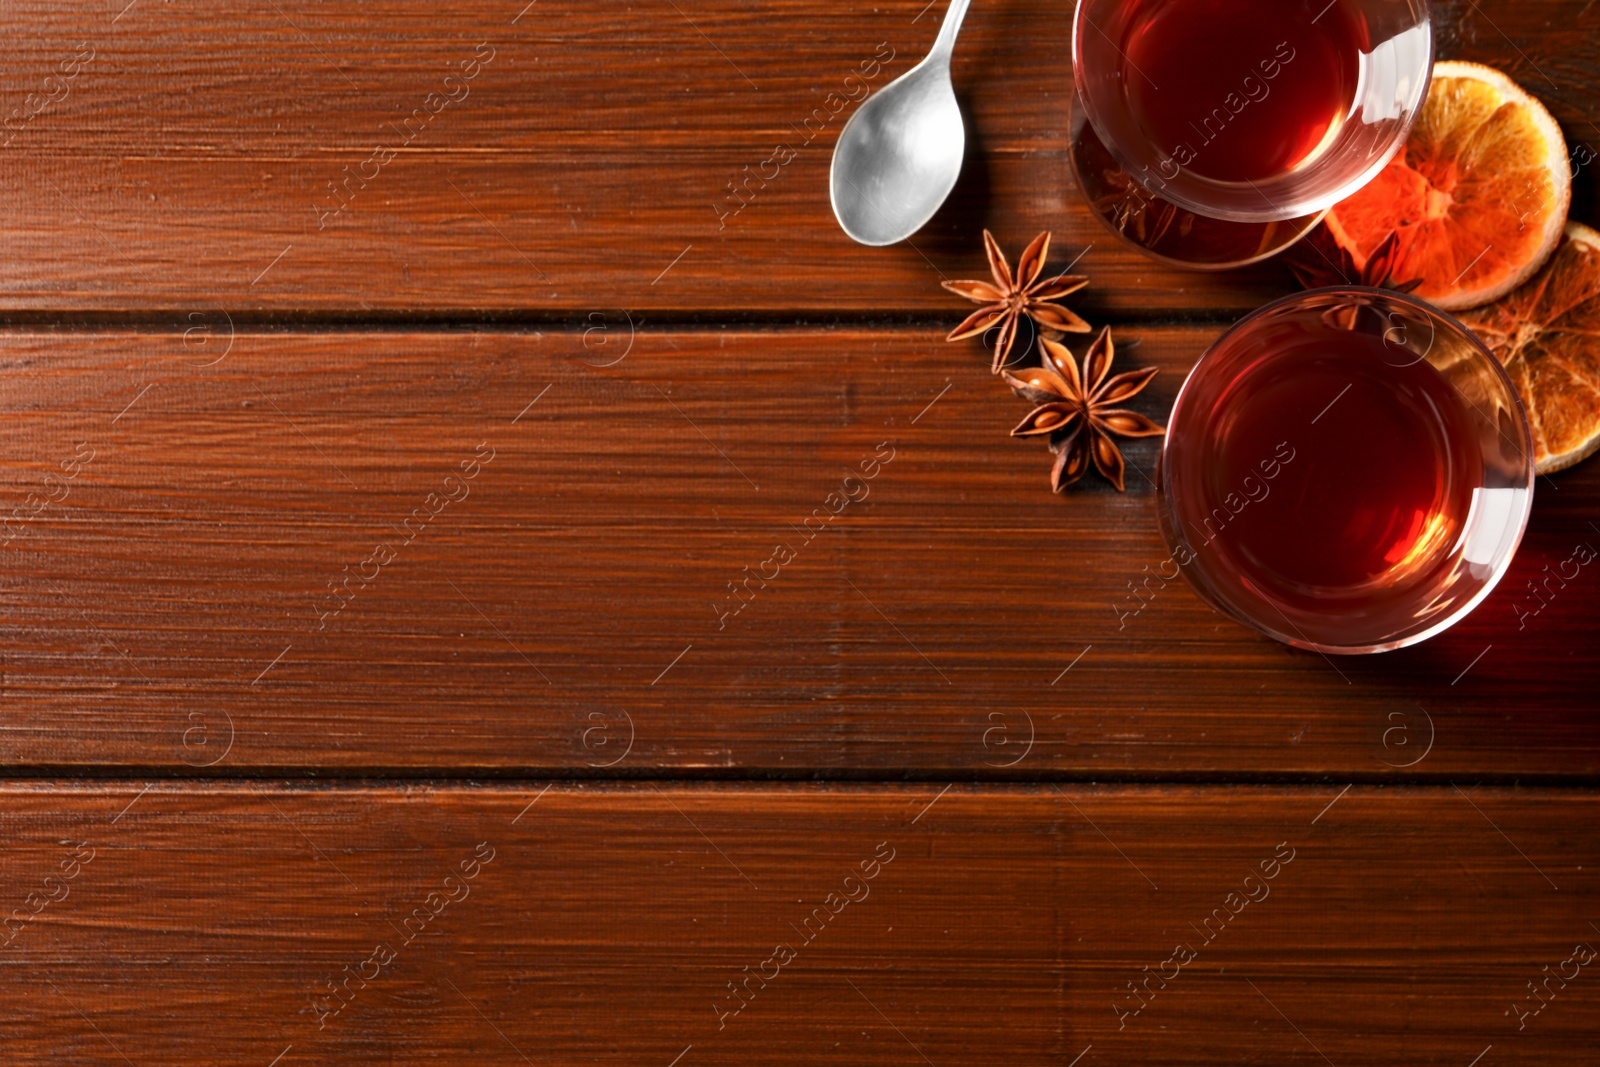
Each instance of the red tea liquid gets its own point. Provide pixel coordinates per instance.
(1328, 474)
(1241, 89)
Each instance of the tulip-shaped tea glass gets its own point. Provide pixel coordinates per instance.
(1346, 470)
(1256, 113)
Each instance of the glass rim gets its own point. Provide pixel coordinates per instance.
(1273, 213)
(1481, 354)
(1075, 163)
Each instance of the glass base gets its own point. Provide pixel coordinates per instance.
(1163, 230)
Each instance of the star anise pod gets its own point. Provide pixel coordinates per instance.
(1319, 261)
(1012, 296)
(1076, 410)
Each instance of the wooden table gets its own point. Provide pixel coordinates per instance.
(509, 323)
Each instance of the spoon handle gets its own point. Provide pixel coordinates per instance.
(945, 44)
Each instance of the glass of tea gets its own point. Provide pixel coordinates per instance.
(1347, 470)
(1255, 112)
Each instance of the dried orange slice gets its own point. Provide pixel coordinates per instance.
(1547, 334)
(1478, 197)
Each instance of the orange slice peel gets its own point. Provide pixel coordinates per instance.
(1478, 197)
(1547, 335)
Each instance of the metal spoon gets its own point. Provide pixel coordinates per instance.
(900, 154)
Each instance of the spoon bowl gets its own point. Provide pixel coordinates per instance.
(900, 154)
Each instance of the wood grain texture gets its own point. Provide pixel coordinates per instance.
(568, 607)
(563, 499)
(585, 166)
(603, 925)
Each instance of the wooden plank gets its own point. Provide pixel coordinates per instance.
(186, 161)
(222, 924)
(567, 606)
